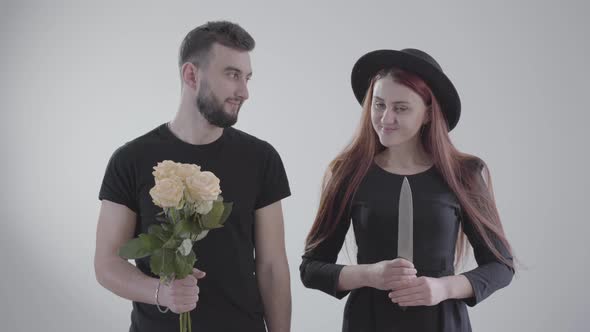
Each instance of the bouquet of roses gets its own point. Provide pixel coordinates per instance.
(192, 206)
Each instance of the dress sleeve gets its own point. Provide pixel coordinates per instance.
(491, 273)
(318, 269)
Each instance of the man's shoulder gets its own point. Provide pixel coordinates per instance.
(139, 145)
(248, 141)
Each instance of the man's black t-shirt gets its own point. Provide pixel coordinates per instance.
(252, 176)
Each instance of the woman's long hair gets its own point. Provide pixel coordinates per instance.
(462, 173)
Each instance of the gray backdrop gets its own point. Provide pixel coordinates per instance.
(78, 79)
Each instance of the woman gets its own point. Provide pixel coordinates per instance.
(409, 106)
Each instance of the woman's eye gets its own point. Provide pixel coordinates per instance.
(379, 106)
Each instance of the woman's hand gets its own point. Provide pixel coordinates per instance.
(390, 274)
(424, 291)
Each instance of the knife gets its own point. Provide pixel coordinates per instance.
(405, 229)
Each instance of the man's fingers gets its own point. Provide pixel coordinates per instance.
(184, 308)
(188, 281)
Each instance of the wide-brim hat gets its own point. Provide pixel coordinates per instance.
(417, 62)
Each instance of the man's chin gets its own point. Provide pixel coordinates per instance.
(232, 114)
(232, 109)
(229, 122)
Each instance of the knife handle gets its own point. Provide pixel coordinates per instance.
(403, 307)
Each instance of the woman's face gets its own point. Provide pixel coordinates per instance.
(397, 112)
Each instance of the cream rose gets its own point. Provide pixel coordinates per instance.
(165, 170)
(203, 187)
(185, 171)
(168, 169)
(167, 193)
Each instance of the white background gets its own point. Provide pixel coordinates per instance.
(79, 79)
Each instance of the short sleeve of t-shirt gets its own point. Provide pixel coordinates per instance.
(118, 184)
(274, 182)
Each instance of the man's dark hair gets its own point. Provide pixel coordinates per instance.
(196, 45)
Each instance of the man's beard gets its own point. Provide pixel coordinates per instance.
(212, 109)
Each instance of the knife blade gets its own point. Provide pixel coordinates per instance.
(405, 227)
(405, 233)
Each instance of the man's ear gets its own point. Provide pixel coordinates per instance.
(189, 74)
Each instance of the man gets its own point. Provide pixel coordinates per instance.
(239, 292)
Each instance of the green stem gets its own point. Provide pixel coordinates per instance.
(200, 222)
(188, 316)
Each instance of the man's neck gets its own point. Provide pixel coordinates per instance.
(190, 126)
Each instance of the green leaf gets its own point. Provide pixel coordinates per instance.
(134, 249)
(151, 242)
(211, 219)
(186, 227)
(228, 207)
(161, 233)
(182, 229)
(185, 247)
(200, 236)
(184, 264)
(162, 262)
(172, 243)
(195, 227)
(186, 211)
(167, 227)
(172, 215)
